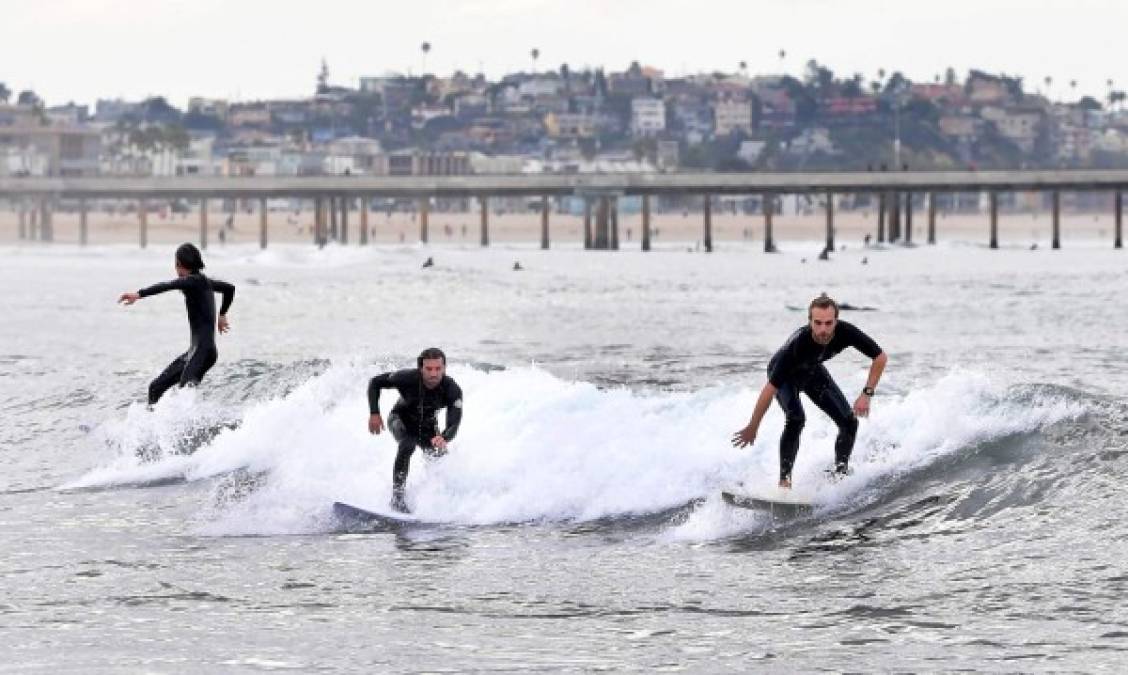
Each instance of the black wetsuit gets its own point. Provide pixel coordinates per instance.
(413, 420)
(199, 299)
(798, 367)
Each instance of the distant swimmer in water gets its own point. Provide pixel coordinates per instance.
(429, 262)
(798, 367)
(517, 266)
(423, 392)
(199, 299)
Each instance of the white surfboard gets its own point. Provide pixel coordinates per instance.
(778, 501)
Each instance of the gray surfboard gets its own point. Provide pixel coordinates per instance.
(354, 516)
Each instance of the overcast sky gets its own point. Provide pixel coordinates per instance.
(83, 50)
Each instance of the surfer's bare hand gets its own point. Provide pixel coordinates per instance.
(744, 437)
(861, 406)
(440, 445)
(223, 325)
(129, 298)
(375, 424)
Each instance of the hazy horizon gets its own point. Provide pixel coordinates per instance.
(255, 49)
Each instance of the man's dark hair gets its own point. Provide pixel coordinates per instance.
(822, 302)
(188, 256)
(430, 353)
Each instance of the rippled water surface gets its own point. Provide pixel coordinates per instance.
(579, 524)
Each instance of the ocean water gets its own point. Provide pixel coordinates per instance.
(579, 521)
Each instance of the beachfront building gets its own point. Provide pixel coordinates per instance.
(732, 116)
(1020, 126)
(777, 109)
(255, 115)
(353, 155)
(413, 162)
(750, 151)
(570, 125)
(198, 159)
(210, 107)
(984, 89)
(29, 146)
(109, 111)
(811, 141)
(424, 113)
(648, 116)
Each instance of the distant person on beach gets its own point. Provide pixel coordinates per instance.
(423, 391)
(199, 300)
(798, 367)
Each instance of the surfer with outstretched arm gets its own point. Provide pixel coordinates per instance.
(798, 367)
(423, 391)
(199, 300)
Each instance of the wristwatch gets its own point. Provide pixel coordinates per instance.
(868, 391)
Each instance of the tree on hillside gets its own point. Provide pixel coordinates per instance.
(1114, 97)
(820, 78)
(1089, 103)
(806, 107)
(29, 98)
(897, 83)
(199, 121)
(157, 109)
(852, 88)
(600, 83)
(5, 93)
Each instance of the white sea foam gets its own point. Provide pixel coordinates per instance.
(536, 447)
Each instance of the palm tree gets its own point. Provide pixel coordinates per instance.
(323, 77)
(782, 56)
(1049, 81)
(426, 48)
(535, 53)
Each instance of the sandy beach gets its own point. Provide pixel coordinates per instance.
(288, 226)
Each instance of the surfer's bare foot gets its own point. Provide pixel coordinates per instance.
(785, 484)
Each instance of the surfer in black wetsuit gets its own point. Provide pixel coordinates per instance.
(798, 367)
(199, 299)
(423, 392)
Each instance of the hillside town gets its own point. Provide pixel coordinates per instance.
(576, 121)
